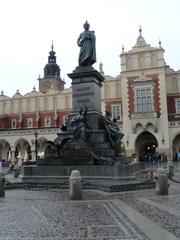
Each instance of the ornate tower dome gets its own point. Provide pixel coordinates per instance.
(52, 68)
(52, 78)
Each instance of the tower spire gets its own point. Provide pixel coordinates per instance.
(52, 53)
(52, 45)
(140, 30)
(160, 44)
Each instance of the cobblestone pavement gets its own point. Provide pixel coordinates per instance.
(49, 215)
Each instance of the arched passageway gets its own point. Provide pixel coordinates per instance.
(4, 148)
(176, 147)
(146, 143)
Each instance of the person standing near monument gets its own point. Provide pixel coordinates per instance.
(86, 42)
(1, 162)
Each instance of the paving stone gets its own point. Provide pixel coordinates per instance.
(37, 214)
(41, 215)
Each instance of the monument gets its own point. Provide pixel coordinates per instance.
(88, 141)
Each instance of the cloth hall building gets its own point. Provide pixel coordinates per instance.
(144, 97)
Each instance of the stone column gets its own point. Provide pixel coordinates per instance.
(33, 155)
(12, 154)
(75, 191)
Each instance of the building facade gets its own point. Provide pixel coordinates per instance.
(40, 111)
(144, 97)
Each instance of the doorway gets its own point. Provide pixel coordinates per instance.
(146, 143)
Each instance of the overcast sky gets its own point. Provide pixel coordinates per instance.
(29, 26)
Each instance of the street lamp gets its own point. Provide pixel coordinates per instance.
(36, 142)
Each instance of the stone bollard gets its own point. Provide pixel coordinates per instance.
(75, 192)
(170, 169)
(162, 181)
(2, 185)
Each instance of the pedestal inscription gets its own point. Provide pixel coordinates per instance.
(88, 94)
(86, 88)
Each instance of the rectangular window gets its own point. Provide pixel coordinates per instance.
(178, 106)
(47, 121)
(30, 123)
(13, 124)
(143, 98)
(116, 111)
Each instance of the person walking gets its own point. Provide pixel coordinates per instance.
(1, 162)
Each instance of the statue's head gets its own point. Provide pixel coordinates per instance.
(86, 25)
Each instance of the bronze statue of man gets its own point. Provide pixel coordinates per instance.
(86, 42)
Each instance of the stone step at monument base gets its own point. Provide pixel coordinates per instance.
(65, 161)
(124, 185)
(57, 174)
(107, 185)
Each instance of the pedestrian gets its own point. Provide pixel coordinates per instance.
(146, 160)
(1, 162)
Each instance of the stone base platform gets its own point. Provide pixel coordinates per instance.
(57, 174)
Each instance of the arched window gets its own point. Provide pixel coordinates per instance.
(13, 124)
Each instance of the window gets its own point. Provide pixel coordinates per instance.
(178, 106)
(30, 123)
(116, 111)
(47, 121)
(13, 124)
(143, 100)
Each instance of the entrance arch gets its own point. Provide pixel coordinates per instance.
(145, 143)
(4, 148)
(176, 147)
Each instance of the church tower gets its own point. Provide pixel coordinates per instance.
(52, 78)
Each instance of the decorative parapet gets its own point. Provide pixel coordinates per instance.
(29, 131)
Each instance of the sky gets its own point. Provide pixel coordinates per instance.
(28, 27)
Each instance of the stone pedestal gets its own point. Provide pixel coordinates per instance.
(2, 185)
(86, 88)
(75, 192)
(162, 182)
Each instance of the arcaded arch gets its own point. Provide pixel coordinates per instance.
(145, 142)
(42, 144)
(4, 147)
(176, 145)
(139, 127)
(22, 147)
(149, 127)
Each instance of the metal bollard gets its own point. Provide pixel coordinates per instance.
(2, 185)
(75, 191)
(162, 181)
